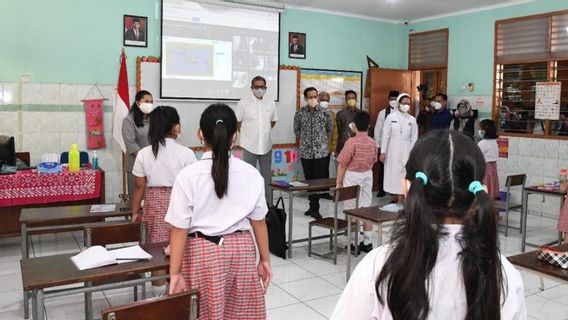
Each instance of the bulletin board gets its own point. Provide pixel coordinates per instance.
(334, 82)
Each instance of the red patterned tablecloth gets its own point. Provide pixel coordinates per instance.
(27, 187)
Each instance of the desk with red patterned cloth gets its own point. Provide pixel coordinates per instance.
(30, 189)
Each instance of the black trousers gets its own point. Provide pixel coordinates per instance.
(315, 169)
(381, 174)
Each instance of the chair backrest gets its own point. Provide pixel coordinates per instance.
(516, 180)
(180, 306)
(102, 235)
(83, 157)
(346, 193)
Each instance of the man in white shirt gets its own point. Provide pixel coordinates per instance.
(256, 117)
(379, 124)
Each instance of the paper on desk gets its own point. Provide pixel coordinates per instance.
(98, 208)
(98, 256)
(298, 184)
(130, 254)
(393, 207)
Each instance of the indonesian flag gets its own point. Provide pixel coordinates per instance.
(121, 103)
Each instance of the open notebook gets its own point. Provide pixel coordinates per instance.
(97, 256)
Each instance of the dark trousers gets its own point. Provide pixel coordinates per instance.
(381, 174)
(315, 169)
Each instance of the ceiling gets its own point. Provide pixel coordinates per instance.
(398, 10)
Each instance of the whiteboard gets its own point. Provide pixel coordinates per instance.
(190, 111)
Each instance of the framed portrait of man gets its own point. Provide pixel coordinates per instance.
(296, 45)
(135, 31)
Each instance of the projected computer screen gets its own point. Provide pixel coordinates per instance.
(213, 51)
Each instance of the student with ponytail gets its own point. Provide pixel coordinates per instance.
(155, 169)
(215, 203)
(443, 261)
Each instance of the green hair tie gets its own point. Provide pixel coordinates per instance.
(422, 176)
(475, 187)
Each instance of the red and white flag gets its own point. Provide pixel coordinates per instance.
(121, 103)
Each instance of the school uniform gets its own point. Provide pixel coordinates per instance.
(446, 289)
(359, 154)
(135, 138)
(160, 173)
(400, 132)
(490, 151)
(379, 125)
(563, 218)
(225, 275)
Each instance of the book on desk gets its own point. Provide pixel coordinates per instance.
(98, 256)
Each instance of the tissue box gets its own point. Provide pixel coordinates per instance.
(49, 167)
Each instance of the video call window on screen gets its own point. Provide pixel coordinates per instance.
(213, 51)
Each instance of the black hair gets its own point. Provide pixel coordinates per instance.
(443, 96)
(135, 110)
(294, 36)
(135, 20)
(257, 78)
(162, 121)
(489, 127)
(218, 124)
(394, 94)
(350, 92)
(451, 161)
(308, 90)
(362, 120)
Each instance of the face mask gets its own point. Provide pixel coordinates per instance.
(313, 102)
(432, 104)
(463, 112)
(259, 93)
(392, 104)
(437, 105)
(481, 133)
(352, 126)
(324, 104)
(404, 108)
(352, 103)
(146, 107)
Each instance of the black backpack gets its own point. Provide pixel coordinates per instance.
(276, 224)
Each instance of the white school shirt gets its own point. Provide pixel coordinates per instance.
(256, 116)
(446, 295)
(194, 205)
(490, 149)
(380, 124)
(162, 171)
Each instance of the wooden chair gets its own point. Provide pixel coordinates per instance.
(103, 235)
(182, 306)
(333, 224)
(507, 205)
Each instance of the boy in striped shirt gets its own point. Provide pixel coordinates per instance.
(356, 161)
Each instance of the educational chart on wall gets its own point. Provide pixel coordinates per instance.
(547, 101)
(335, 82)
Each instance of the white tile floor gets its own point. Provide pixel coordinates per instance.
(302, 288)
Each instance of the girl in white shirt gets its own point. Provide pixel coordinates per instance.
(155, 171)
(490, 149)
(443, 261)
(215, 203)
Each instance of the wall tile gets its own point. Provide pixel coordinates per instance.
(68, 94)
(550, 168)
(551, 148)
(67, 139)
(537, 148)
(563, 150)
(68, 122)
(50, 122)
(524, 146)
(31, 122)
(108, 122)
(51, 143)
(10, 93)
(31, 93)
(82, 92)
(108, 92)
(50, 94)
(513, 163)
(513, 146)
(551, 207)
(9, 122)
(32, 143)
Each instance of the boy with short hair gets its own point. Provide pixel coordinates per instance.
(356, 161)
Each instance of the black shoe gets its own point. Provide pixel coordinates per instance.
(316, 215)
(354, 251)
(381, 194)
(308, 213)
(365, 248)
(326, 196)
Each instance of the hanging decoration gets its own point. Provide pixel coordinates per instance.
(94, 119)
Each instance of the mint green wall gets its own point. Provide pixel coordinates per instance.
(471, 42)
(79, 41)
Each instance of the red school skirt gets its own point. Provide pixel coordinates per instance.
(226, 276)
(563, 218)
(491, 180)
(156, 202)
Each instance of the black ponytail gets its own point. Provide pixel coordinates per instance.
(451, 162)
(218, 124)
(135, 110)
(162, 122)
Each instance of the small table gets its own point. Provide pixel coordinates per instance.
(556, 193)
(42, 273)
(62, 219)
(373, 215)
(528, 261)
(313, 187)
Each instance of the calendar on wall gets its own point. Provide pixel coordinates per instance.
(547, 101)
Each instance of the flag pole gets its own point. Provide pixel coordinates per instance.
(124, 196)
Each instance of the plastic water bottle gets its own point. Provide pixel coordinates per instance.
(74, 164)
(95, 160)
(563, 175)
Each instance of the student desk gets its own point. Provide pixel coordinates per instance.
(35, 221)
(556, 193)
(373, 215)
(313, 187)
(39, 274)
(528, 261)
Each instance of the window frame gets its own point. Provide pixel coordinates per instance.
(447, 34)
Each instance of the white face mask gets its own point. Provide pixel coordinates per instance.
(437, 105)
(481, 133)
(352, 127)
(259, 93)
(392, 104)
(404, 108)
(146, 107)
(313, 102)
(324, 104)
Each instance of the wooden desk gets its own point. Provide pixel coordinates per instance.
(313, 187)
(373, 215)
(528, 261)
(545, 193)
(39, 274)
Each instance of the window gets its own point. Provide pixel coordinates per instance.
(529, 50)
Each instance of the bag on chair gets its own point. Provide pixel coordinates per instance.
(276, 224)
